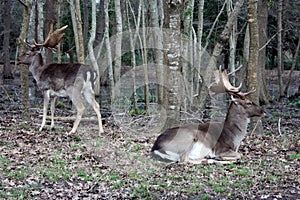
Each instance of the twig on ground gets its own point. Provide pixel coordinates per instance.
(255, 127)
(11, 100)
(279, 131)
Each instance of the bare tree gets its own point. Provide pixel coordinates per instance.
(85, 5)
(252, 76)
(7, 72)
(253, 53)
(279, 48)
(77, 28)
(49, 19)
(187, 53)
(232, 41)
(91, 49)
(145, 59)
(108, 50)
(173, 17)
(158, 53)
(199, 45)
(24, 69)
(132, 53)
(262, 8)
(100, 24)
(59, 15)
(118, 47)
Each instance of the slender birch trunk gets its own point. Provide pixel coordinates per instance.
(77, 28)
(91, 48)
(158, 51)
(232, 42)
(145, 61)
(118, 47)
(187, 54)
(279, 48)
(199, 46)
(108, 50)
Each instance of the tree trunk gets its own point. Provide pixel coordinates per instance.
(279, 48)
(77, 28)
(232, 43)
(100, 24)
(40, 21)
(262, 24)
(85, 4)
(253, 53)
(7, 72)
(158, 51)
(118, 46)
(173, 16)
(49, 19)
(80, 33)
(132, 51)
(59, 46)
(252, 77)
(108, 54)
(24, 68)
(199, 46)
(145, 61)
(91, 48)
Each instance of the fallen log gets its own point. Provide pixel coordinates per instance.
(71, 119)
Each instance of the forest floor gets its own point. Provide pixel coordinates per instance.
(116, 165)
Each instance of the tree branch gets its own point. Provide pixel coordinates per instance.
(23, 3)
(270, 40)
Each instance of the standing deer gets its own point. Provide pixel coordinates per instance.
(218, 140)
(75, 81)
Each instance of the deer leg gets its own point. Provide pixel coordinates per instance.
(45, 108)
(52, 111)
(89, 96)
(96, 107)
(78, 103)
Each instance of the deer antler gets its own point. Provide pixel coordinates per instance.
(53, 38)
(28, 44)
(223, 85)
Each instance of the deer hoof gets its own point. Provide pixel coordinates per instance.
(101, 131)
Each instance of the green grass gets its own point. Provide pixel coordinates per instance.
(294, 156)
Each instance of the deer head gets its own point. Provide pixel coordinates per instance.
(222, 85)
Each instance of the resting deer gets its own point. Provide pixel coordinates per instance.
(218, 140)
(75, 81)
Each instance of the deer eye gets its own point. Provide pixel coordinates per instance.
(249, 103)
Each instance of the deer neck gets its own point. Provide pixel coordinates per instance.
(36, 67)
(235, 127)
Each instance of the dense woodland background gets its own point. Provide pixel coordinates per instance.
(155, 61)
(251, 36)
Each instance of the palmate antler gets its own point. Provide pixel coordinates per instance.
(223, 85)
(53, 38)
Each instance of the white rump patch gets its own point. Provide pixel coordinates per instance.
(169, 155)
(248, 120)
(199, 151)
(88, 89)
